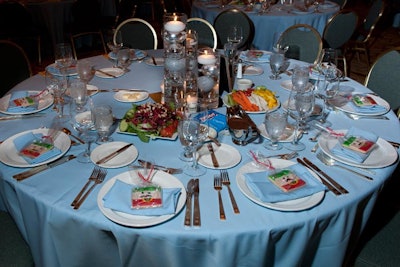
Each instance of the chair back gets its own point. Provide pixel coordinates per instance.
(87, 44)
(234, 17)
(384, 77)
(304, 42)
(339, 29)
(206, 32)
(15, 66)
(136, 33)
(375, 13)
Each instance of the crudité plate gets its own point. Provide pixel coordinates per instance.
(382, 156)
(226, 103)
(10, 156)
(163, 179)
(256, 56)
(349, 108)
(124, 158)
(290, 205)
(227, 156)
(45, 101)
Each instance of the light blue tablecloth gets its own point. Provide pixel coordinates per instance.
(61, 236)
(276, 20)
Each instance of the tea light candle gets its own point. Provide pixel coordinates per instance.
(191, 101)
(174, 26)
(207, 59)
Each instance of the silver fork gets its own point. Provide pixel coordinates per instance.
(286, 156)
(92, 177)
(218, 187)
(227, 183)
(99, 180)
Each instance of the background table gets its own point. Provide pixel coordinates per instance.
(275, 21)
(61, 236)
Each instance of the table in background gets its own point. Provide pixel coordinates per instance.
(275, 21)
(61, 236)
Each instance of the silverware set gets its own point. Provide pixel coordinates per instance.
(97, 177)
(193, 190)
(219, 181)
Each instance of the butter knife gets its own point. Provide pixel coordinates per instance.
(161, 168)
(332, 181)
(213, 157)
(17, 117)
(26, 174)
(188, 213)
(114, 154)
(196, 211)
(324, 182)
(107, 74)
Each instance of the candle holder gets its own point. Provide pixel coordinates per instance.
(208, 80)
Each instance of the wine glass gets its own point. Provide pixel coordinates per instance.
(55, 85)
(327, 84)
(235, 35)
(78, 92)
(300, 78)
(276, 61)
(85, 70)
(186, 155)
(124, 59)
(275, 123)
(63, 59)
(300, 107)
(82, 122)
(103, 120)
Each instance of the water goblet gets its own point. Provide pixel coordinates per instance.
(276, 62)
(275, 123)
(55, 86)
(82, 122)
(63, 59)
(85, 70)
(78, 92)
(124, 59)
(186, 155)
(235, 35)
(300, 78)
(103, 120)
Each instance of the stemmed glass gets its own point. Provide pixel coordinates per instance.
(300, 77)
(276, 61)
(186, 155)
(327, 84)
(103, 120)
(194, 132)
(114, 48)
(78, 92)
(55, 85)
(235, 35)
(63, 59)
(275, 123)
(124, 59)
(86, 71)
(300, 107)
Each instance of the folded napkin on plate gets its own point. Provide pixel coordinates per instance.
(21, 141)
(367, 109)
(118, 198)
(266, 191)
(57, 71)
(351, 154)
(12, 107)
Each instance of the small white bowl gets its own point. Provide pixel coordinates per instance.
(244, 84)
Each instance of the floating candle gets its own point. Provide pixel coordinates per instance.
(174, 26)
(207, 59)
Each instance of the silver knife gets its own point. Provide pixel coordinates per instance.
(196, 209)
(16, 117)
(188, 212)
(332, 181)
(161, 168)
(107, 74)
(114, 154)
(23, 175)
(213, 157)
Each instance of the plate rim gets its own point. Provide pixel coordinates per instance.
(233, 151)
(133, 150)
(314, 199)
(32, 111)
(245, 58)
(375, 97)
(114, 216)
(38, 130)
(325, 149)
(146, 95)
(59, 74)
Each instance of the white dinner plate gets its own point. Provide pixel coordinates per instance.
(174, 136)
(287, 135)
(45, 101)
(163, 179)
(290, 205)
(159, 61)
(138, 55)
(124, 158)
(225, 101)
(117, 72)
(53, 69)
(227, 156)
(92, 89)
(349, 108)
(10, 155)
(263, 59)
(384, 155)
(130, 96)
(252, 70)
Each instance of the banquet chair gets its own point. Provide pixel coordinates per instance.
(14, 251)
(384, 77)
(206, 32)
(364, 35)
(234, 17)
(15, 66)
(136, 33)
(304, 42)
(337, 33)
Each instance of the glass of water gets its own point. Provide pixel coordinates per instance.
(103, 120)
(275, 124)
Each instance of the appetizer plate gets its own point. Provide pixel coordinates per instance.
(117, 72)
(227, 156)
(124, 158)
(348, 107)
(10, 156)
(53, 69)
(287, 135)
(225, 101)
(382, 156)
(159, 61)
(131, 96)
(263, 59)
(291, 205)
(252, 70)
(163, 179)
(92, 89)
(44, 102)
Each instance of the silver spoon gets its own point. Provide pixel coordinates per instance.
(331, 162)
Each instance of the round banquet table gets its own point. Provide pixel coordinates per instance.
(266, 25)
(61, 236)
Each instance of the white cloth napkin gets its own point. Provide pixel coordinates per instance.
(266, 191)
(350, 154)
(119, 198)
